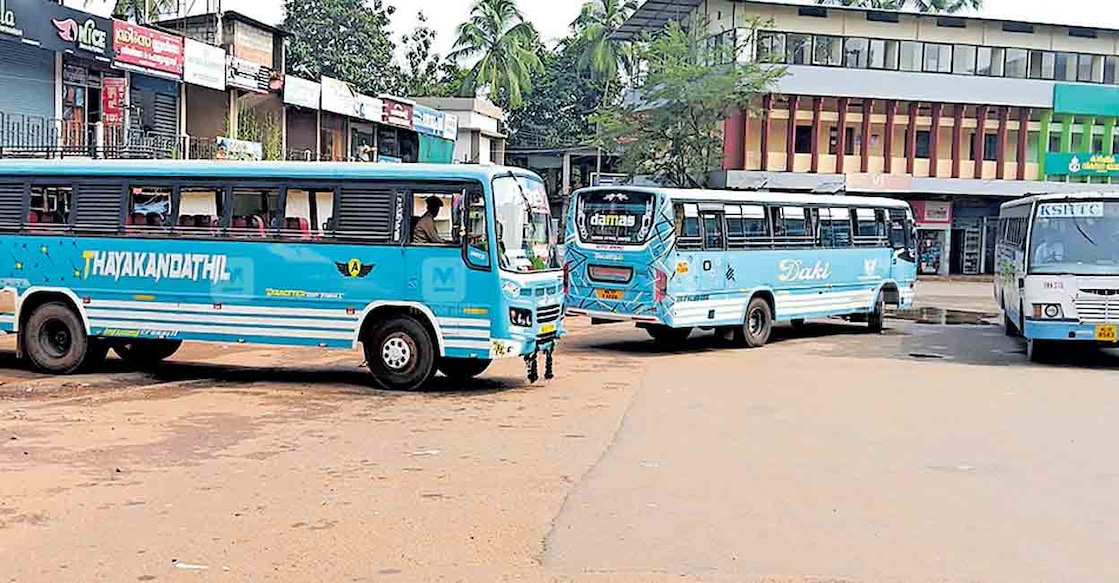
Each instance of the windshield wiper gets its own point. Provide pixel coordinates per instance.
(1085, 235)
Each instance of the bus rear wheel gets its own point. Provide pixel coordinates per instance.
(463, 369)
(667, 335)
(400, 354)
(758, 326)
(146, 353)
(55, 340)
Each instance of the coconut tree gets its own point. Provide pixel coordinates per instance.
(505, 46)
(142, 11)
(935, 6)
(599, 51)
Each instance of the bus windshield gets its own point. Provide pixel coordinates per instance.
(1076, 238)
(614, 218)
(526, 243)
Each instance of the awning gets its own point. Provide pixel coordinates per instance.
(653, 15)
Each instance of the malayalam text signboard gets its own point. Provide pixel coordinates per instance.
(113, 94)
(148, 51)
(1081, 164)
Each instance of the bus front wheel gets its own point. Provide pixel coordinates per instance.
(146, 353)
(400, 354)
(463, 369)
(668, 335)
(55, 339)
(759, 324)
(1036, 350)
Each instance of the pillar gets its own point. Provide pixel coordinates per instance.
(980, 139)
(888, 139)
(734, 141)
(864, 150)
(1043, 142)
(817, 108)
(791, 133)
(767, 110)
(1000, 148)
(957, 138)
(911, 138)
(934, 139)
(841, 138)
(1024, 140)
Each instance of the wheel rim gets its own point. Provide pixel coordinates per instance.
(756, 323)
(397, 352)
(55, 338)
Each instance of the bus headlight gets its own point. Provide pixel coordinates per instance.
(520, 317)
(1049, 311)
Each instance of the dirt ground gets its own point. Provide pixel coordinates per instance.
(930, 453)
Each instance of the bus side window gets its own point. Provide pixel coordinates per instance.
(689, 234)
(200, 211)
(835, 227)
(149, 209)
(50, 207)
(794, 225)
(713, 239)
(307, 212)
(899, 230)
(868, 228)
(736, 231)
(433, 219)
(253, 211)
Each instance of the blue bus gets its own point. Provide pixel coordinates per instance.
(735, 262)
(425, 267)
(1058, 270)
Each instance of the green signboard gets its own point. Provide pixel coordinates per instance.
(1081, 164)
(1094, 100)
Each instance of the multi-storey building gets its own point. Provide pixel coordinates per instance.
(955, 114)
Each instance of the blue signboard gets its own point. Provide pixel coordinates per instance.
(426, 120)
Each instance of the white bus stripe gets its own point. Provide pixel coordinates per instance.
(223, 330)
(467, 345)
(463, 322)
(218, 318)
(463, 333)
(225, 309)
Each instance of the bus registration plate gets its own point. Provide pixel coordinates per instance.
(609, 294)
(1107, 333)
(547, 328)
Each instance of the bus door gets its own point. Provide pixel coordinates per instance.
(903, 241)
(712, 266)
(447, 257)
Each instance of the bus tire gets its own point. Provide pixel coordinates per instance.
(668, 336)
(463, 369)
(97, 353)
(758, 325)
(1036, 350)
(54, 339)
(400, 354)
(876, 319)
(146, 353)
(1009, 327)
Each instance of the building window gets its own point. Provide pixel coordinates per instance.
(848, 141)
(883, 54)
(990, 147)
(1065, 67)
(1054, 142)
(1016, 62)
(1090, 69)
(910, 56)
(827, 51)
(1041, 64)
(1097, 144)
(963, 60)
(799, 46)
(771, 47)
(938, 58)
(1110, 65)
(991, 61)
(856, 53)
(922, 149)
(802, 144)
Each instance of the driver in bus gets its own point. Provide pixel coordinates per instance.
(425, 232)
(1049, 251)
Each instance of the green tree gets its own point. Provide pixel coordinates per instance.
(558, 111)
(425, 73)
(935, 6)
(506, 47)
(673, 134)
(344, 39)
(142, 11)
(594, 28)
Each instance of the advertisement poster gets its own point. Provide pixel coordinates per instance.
(428, 121)
(337, 96)
(204, 65)
(148, 51)
(249, 76)
(302, 93)
(239, 150)
(398, 113)
(112, 100)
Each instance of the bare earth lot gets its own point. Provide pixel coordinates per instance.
(930, 453)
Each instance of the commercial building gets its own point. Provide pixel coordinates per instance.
(955, 114)
(478, 135)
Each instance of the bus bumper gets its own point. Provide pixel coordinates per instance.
(1060, 330)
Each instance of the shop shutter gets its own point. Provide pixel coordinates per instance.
(27, 81)
(365, 213)
(158, 101)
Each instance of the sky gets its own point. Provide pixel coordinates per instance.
(553, 17)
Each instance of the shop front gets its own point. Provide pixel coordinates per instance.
(431, 127)
(397, 140)
(934, 240)
(303, 99)
(155, 61)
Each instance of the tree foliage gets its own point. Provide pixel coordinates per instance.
(673, 134)
(934, 6)
(558, 110)
(344, 39)
(506, 47)
(142, 11)
(599, 52)
(425, 73)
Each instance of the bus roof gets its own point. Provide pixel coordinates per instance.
(766, 197)
(1085, 195)
(264, 170)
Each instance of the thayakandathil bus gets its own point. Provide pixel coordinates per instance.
(426, 267)
(1058, 269)
(736, 262)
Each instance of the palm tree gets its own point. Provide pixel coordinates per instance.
(594, 29)
(935, 6)
(505, 45)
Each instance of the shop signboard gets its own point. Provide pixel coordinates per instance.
(932, 212)
(302, 93)
(398, 113)
(148, 51)
(338, 97)
(239, 150)
(10, 19)
(248, 75)
(368, 108)
(204, 65)
(1081, 164)
(113, 93)
(450, 127)
(428, 121)
(80, 32)
(252, 44)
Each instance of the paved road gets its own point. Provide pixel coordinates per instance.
(930, 453)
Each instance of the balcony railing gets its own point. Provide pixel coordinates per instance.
(24, 136)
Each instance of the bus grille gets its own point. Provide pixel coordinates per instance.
(547, 314)
(1101, 310)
